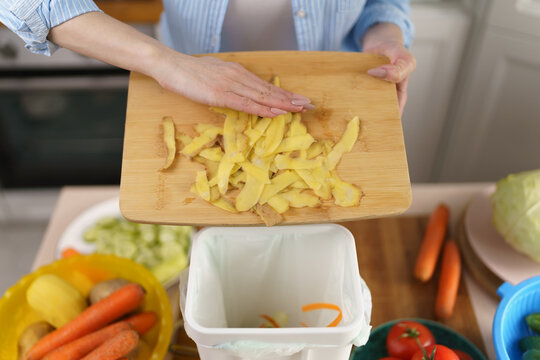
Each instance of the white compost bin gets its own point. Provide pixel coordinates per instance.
(238, 273)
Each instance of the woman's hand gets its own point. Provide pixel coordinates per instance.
(216, 82)
(386, 39)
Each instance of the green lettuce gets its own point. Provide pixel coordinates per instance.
(516, 211)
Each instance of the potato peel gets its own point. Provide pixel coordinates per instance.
(267, 165)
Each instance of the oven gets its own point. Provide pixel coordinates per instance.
(61, 117)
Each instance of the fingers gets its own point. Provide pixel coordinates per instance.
(247, 84)
(268, 98)
(240, 103)
(396, 73)
(402, 95)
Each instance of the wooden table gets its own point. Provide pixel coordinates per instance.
(74, 200)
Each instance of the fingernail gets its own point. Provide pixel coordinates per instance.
(278, 111)
(300, 97)
(300, 101)
(309, 106)
(377, 72)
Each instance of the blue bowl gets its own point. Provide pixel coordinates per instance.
(509, 325)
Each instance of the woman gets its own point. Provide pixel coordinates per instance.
(201, 26)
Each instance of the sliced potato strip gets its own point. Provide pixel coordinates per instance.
(278, 203)
(278, 183)
(201, 184)
(293, 143)
(169, 140)
(204, 140)
(345, 194)
(285, 162)
(213, 153)
(298, 199)
(267, 165)
(345, 144)
(250, 193)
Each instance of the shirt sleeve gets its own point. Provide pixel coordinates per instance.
(389, 11)
(32, 19)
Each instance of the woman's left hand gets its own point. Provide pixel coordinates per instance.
(385, 39)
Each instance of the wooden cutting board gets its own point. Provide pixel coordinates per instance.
(386, 250)
(340, 89)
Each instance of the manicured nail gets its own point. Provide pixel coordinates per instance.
(300, 97)
(278, 111)
(377, 72)
(309, 106)
(300, 101)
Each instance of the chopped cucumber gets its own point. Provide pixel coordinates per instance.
(160, 248)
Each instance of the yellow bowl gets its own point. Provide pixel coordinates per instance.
(16, 315)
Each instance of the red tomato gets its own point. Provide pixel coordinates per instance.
(441, 353)
(403, 337)
(462, 355)
(389, 358)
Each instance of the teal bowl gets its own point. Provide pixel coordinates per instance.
(376, 345)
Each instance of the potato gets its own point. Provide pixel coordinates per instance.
(31, 335)
(105, 288)
(264, 165)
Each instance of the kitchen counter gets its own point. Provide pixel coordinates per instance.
(74, 200)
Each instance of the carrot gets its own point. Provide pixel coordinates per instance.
(270, 320)
(116, 347)
(322, 306)
(83, 345)
(93, 318)
(142, 322)
(69, 252)
(448, 281)
(431, 245)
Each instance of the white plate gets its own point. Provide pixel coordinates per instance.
(73, 235)
(491, 248)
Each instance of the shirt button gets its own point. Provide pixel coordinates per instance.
(301, 14)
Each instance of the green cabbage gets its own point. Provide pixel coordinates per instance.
(516, 211)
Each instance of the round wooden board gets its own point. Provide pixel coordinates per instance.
(487, 279)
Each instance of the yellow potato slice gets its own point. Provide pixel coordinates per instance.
(274, 135)
(296, 127)
(300, 184)
(345, 144)
(345, 194)
(202, 128)
(278, 203)
(224, 204)
(223, 173)
(250, 193)
(285, 162)
(293, 143)
(308, 177)
(258, 172)
(211, 166)
(201, 184)
(322, 175)
(276, 81)
(169, 139)
(278, 183)
(315, 150)
(183, 138)
(201, 141)
(238, 178)
(299, 199)
(213, 153)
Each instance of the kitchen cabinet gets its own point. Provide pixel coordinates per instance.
(440, 37)
(495, 127)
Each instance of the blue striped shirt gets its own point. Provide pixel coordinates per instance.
(194, 26)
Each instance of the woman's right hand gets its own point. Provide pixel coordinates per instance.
(215, 82)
